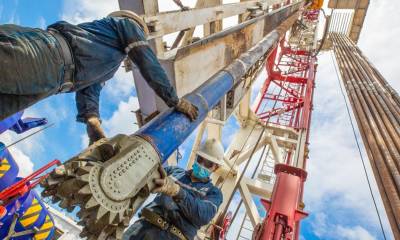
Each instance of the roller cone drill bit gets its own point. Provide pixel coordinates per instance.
(108, 181)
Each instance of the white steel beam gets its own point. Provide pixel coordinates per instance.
(301, 150)
(213, 26)
(174, 21)
(244, 155)
(260, 188)
(251, 208)
(243, 113)
(187, 39)
(276, 151)
(196, 144)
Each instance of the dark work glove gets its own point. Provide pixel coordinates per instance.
(187, 108)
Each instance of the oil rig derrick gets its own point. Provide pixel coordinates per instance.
(276, 42)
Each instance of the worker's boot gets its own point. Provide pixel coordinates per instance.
(94, 130)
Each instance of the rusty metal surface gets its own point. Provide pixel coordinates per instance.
(348, 4)
(377, 113)
(211, 54)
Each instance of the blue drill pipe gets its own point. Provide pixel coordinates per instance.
(168, 131)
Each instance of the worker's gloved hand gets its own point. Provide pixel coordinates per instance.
(94, 130)
(165, 184)
(187, 108)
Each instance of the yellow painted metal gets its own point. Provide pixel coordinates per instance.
(4, 167)
(31, 215)
(45, 229)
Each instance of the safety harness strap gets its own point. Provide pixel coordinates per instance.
(69, 66)
(158, 221)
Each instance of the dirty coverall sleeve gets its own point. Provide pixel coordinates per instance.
(138, 50)
(87, 102)
(154, 74)
(133, 42)
(199, 210)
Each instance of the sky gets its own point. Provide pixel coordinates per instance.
(336, 193)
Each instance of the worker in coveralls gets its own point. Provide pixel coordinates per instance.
(35, 64)
(186, 200)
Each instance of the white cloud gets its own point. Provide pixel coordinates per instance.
(42, 22)
(24, 162)
(123, 119)
(378, 36)
(14, 18)
(84, 141)
(121, 85)
(324, 229)
(320, 225)
(78, 11)
(19, 152)
(51, 110)
(355, 233)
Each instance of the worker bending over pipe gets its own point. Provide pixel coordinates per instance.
(35, 64)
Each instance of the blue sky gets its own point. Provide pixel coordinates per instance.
(336, 193)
